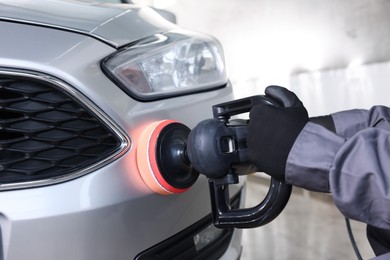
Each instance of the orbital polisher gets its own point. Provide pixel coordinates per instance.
(170, 158)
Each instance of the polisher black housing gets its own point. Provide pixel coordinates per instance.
(217, 148)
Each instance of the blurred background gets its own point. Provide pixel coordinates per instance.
(335, 55)
(332, 53)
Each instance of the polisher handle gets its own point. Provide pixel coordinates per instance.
(224, 111)
(278, 194)
(267, 210)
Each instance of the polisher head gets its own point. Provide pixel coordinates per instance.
(162, 160)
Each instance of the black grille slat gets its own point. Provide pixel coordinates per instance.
(30, 166)
(28, 105)
(23, 87)
(29, 126)
(55, 135)
(45, 132)
(7, 115)
(79, 124)
(51, 97)
(6, 95)
(10, 157)
(54, 115)
(29, 145)
(10, 136)
(55, 154)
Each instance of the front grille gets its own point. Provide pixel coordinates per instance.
(46, 132)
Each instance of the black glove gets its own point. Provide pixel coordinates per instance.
(325, 121)
(273, 130)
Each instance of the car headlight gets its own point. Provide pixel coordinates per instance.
(168, 64)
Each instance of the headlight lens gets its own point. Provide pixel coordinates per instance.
(168, 64)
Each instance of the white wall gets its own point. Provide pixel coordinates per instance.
(267, 41)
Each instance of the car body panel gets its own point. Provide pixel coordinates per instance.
(115, 24)
(109, 213)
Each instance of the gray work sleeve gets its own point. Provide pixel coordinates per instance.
(311, 158)
(354, 164)
(360, 177)
(348, 123)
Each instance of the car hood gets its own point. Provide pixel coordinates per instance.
(115, 24)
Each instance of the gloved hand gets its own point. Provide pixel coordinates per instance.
(273, 130)
(325, 121)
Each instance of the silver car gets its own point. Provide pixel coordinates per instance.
(79, 84)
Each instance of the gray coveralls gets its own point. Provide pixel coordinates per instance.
(353, 164)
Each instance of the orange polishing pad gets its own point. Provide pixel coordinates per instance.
(148, 151)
